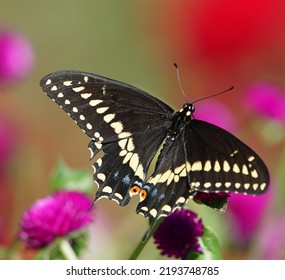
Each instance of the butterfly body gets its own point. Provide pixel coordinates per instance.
(130, 126)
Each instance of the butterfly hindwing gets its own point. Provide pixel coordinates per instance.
(219, 162)
(125, 122)
(168, 186)
(201, 158)
(123, 166)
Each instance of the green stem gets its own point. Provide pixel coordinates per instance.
(138, 249)
(67, 250)
(144, 241)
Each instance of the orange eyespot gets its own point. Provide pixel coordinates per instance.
(134, 190)
(143, 194)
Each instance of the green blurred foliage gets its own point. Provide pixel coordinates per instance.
(65, 178)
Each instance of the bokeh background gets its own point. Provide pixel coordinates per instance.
(216, 43)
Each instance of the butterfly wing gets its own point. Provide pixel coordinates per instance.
(220, 162)
(129, 125)
(168, 187)
(125, 122)
(205, 158)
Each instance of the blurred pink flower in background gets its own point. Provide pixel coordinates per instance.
(216, 113)
(245, 213)
(55, 216)
(266, 99)
(16, 56)
(272, 239)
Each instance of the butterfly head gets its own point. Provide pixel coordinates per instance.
(188, 109)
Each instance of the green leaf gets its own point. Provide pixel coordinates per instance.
(194, 255)
(65, 178)
(210, 246)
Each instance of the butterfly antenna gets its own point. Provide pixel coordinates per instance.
(231, 88)
(179, 81)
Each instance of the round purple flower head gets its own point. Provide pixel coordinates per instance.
(54, 216)
(178, 234)
(202, 197)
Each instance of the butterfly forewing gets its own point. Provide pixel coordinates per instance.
(127, 123)
(96, 103)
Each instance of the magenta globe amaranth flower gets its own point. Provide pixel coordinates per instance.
(178, 234)
(55, 216)
(16, 56)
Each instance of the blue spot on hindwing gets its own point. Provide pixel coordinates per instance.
(126, 180)
(162, 196)
(138, 183)
(146, 187)
(116, 175)
(154, 192)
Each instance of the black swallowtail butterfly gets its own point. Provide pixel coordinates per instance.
(130, 126)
